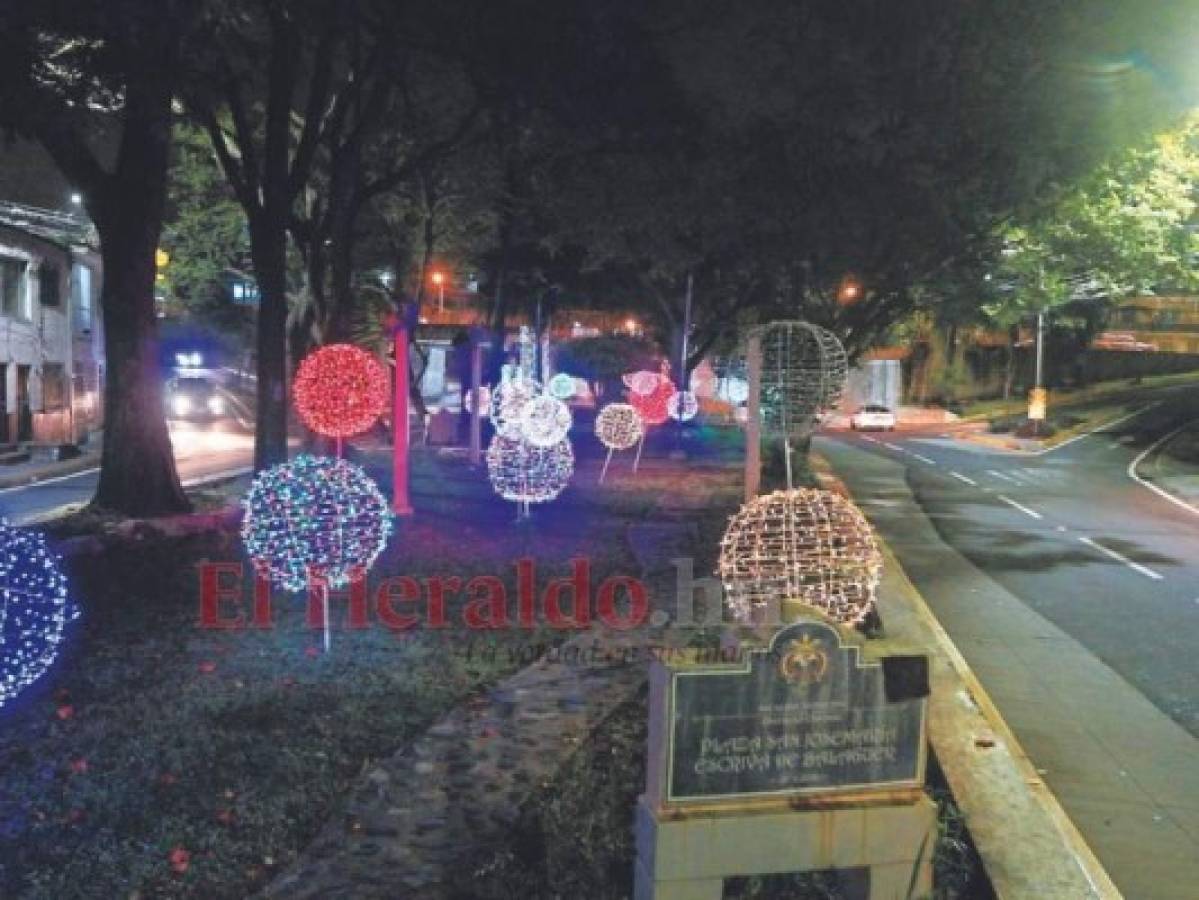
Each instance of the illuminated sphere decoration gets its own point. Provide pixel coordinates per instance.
(314, 514)
(524, 473)
(341, 390)
(804, 544)
(704, 381)
(804, 369)
(643, 383)
(34, 609)
(733, 389)
(508, 399)
(682, 406)
(544, 421)
(654, 407)
(562, 386)
(618, 426)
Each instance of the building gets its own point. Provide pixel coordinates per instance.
(1170, 324)
(51, 335)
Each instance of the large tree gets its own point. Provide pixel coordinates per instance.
(264, 89)
(70, 72)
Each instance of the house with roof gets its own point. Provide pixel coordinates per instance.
(51, 333)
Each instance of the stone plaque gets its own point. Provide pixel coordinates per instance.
(804, 715)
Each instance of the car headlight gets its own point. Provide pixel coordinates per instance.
(216, 405)
(181, 404)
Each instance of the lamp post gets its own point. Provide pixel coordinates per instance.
(439, 280)
(1038, 400)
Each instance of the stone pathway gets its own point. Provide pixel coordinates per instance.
(425, 821)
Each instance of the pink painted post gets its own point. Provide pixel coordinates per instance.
(400, 503)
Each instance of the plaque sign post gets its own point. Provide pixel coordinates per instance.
(799, 755)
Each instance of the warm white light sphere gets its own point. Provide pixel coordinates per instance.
(805, 544)
(618, 426)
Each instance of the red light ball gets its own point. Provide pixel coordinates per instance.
(341, 390)
(654, 407)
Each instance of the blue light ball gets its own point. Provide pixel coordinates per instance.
(34, 609)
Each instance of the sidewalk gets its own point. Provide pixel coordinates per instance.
(37, 470)
(1125, 773)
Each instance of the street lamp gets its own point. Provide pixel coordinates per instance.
(439, 280)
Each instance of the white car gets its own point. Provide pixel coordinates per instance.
(872, 418)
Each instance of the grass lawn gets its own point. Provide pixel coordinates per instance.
(1123, 391)
(160, 759)
(1073, 412)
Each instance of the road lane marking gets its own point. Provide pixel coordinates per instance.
(1120, 557)
(1008, 478)
(1020, 506)
(1161, 492)
(867, 437)
(923, 459)
(895, 447)
(960, 477)
(40, 482)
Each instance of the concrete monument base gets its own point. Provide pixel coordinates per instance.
(688, 856)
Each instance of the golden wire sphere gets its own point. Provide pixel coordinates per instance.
(805, 544)
(618, 426)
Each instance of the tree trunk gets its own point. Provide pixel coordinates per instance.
(1009, 372)
(137, 463)
(269, 247)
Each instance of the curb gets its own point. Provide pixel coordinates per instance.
(1152, 449)
(963, 695)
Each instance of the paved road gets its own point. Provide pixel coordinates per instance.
(202, 453)
(1069, 532)
(1074, 593)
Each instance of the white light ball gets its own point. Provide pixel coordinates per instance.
(524, 473)
(544, 421)
(508, 398)
(314, 513)
(618, 426)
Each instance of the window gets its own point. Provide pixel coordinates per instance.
(13, 296)
(81, 284)
(48, 285)
(54, 387)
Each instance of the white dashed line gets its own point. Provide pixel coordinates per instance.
(895, 447)
(867, 437)
(923, 459)
(1008, 478)
(960, 477)
(1020, 506)
(1119, 557)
